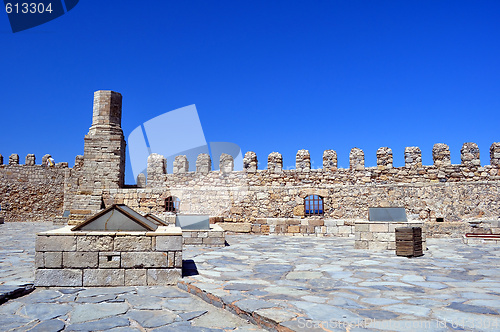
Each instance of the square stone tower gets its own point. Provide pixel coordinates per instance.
(104, 151)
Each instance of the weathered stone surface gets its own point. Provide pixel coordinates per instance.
(135, 277)
(329, 159)
(141, 180)
(103, 277)
(58, 277)
(413, 157)
(168, 243)
(132, 243)
(470, 155)
(30, 160)
(109, 260)
(357, 159)
(226, 163)
(53, 325)
(79, 259)
(55, 243)
(250, 163)
(144, 259)
(275, 162)
(441, 155)
(163, 276)
(181, 164)
(384, 158)
(303, 161)
(94, 311)
(203, 163)
(14, 159)
(52, 259)
(494, 154)
(238, 227)
(157, 168)
(94, 243)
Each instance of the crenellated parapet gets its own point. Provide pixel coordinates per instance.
(441, 155)
(470, 155)
(357, 159)
(226, 163)
(14, 159)
(181, 164)
(275, 162)
(250, 163)
(413, 157)
(329, 160)
(384, 158)
(303, 161)
(30, 160)
(157, 167)
(495, 154)
(203, 163)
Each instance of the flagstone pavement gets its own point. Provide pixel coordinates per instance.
(275, 282)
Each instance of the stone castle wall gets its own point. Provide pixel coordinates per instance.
(467, 191)
(31, 192)
(267, 200)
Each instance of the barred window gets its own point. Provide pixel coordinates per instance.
(313, 205)
(172, 204)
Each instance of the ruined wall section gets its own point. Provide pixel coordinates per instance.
(31, 192)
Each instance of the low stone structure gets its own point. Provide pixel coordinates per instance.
(381, 235)
(108, 258)
(214, 237)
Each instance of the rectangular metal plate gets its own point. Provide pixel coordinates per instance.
(193, 221)
(387, 214)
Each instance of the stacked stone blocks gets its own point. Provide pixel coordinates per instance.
(84, 259)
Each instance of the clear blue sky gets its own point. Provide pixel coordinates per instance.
(266, 75)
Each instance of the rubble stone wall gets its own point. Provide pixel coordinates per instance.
(32, 192)
(258, 199)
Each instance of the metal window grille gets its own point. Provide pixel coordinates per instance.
(313, 205)
(172, 204)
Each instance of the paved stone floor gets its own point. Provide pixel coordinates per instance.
(95, 309)
(296, 283)
(308, 282)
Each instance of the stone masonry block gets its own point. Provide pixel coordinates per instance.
(39, 261)
(135, 277)
(218, 241)
(358, 227)
(168, 243)
(237, 227)
(131, 259)
(383, 227)
(171, 258)
(94, 243)
(178, 259)
(55, 243)
(53, 259)
(103, 277)
(132, 243)
(79, 259)
(163, 276)
(345, 230)
(193, 240)
(58, 277)
(109, 260)
(361, 244)
(378, 246)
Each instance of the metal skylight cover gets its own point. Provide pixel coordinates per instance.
(117, 218)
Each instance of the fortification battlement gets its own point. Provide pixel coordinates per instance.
(413, 159)
(31, 161)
